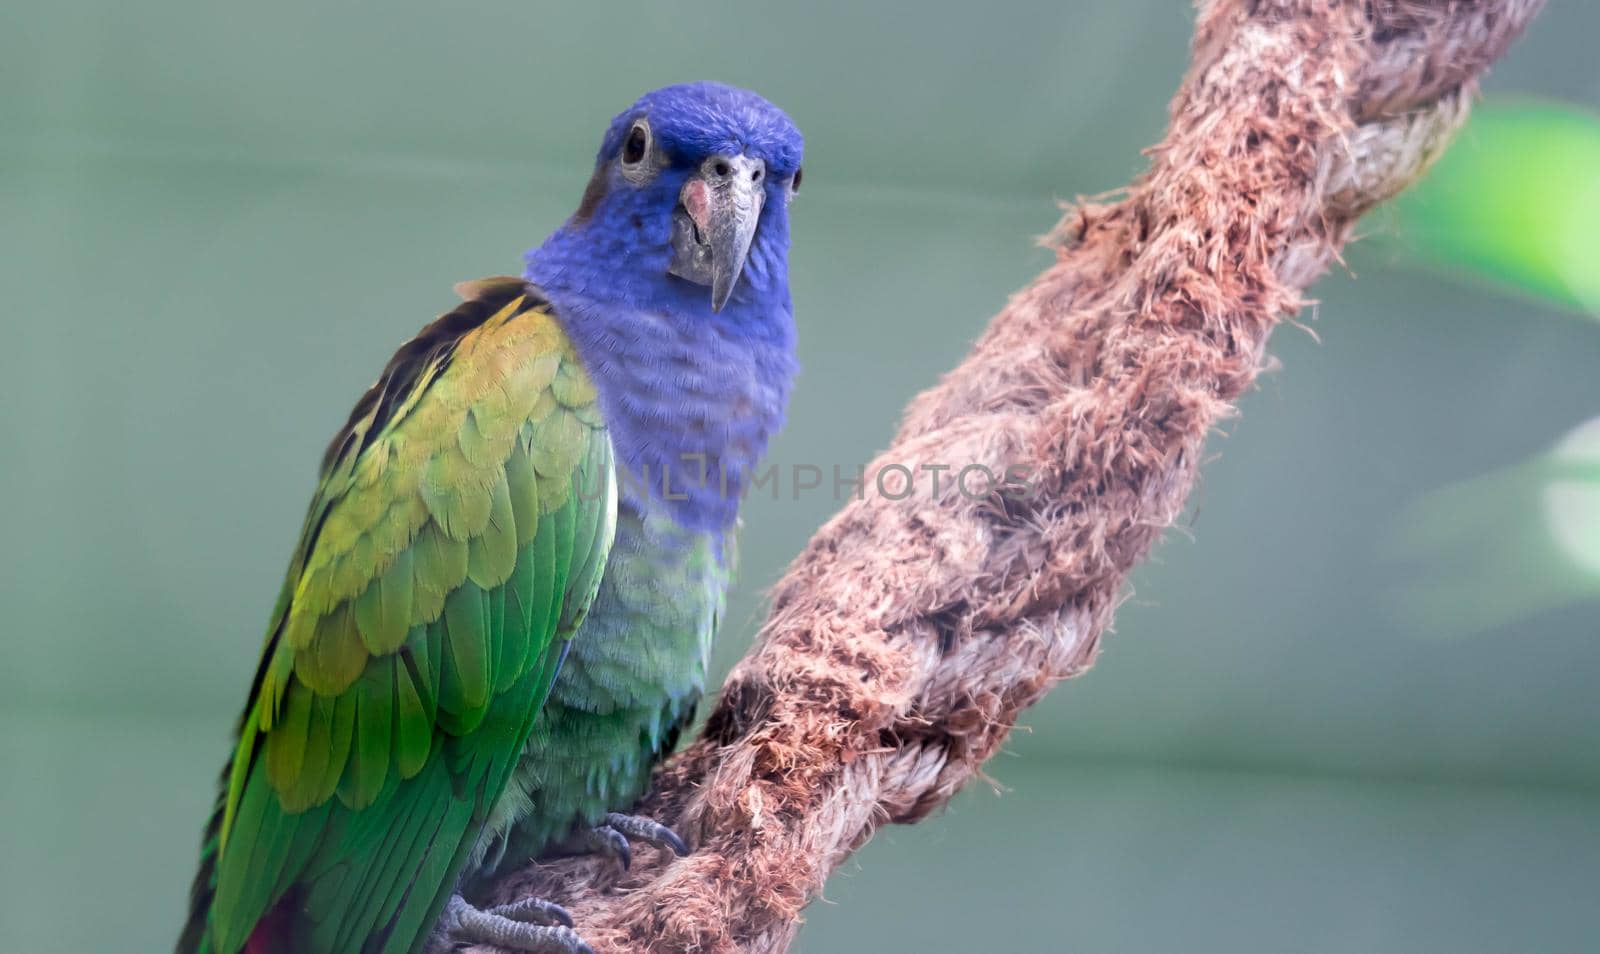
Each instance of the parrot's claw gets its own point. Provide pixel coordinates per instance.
(534, 911)
(605, 840)
(611, 838)
(640, 828)
(529, 926)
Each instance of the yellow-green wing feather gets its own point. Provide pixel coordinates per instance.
(455, 541)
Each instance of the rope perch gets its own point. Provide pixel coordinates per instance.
(907, 638)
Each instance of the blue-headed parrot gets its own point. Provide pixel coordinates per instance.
(498, 615)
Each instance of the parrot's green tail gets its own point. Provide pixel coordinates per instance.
(193, 940)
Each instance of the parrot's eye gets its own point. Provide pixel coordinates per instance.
(637, 146)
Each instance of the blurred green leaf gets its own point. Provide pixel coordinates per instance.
(1505, 545)
(1572, 498)
(1515, 200)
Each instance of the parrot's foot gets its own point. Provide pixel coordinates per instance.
(530, 926)
(612, 837)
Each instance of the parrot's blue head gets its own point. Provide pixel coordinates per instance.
(672, 278)
(687, 211)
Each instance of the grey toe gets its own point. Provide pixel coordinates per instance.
(640, 828)
(530, 926)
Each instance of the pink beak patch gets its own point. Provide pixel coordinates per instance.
(697, 202)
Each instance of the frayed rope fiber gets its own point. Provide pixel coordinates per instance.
(907, 638)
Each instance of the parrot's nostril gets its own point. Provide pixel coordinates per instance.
(755, 176)
(721, 168)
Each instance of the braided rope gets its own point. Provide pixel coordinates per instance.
(910, 634)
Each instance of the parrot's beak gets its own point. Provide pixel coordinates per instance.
(716, 221)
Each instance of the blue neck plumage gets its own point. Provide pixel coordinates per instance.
(690, 396)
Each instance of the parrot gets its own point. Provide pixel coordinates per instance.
(498, 615)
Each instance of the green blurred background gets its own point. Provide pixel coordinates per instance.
(1343, 710)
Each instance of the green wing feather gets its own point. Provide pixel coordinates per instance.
(454, 543)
